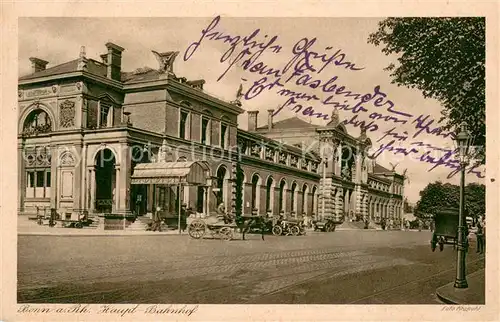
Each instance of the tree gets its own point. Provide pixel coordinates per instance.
(445, 59)
(437, 196)
(475, 199)
(239, 187)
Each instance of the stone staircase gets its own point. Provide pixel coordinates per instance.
(95, 222)
(140, 224)
(354, 225)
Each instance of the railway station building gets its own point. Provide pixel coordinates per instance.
(95, 139)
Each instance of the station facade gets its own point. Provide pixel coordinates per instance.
(95, 139)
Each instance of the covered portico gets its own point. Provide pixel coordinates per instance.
(166, 183)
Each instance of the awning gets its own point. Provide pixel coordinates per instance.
(171, 173)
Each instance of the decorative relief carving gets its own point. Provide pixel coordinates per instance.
(38, 158)
(294, 161)
(67, 159)
(242, 144)
(303, 164)
(46, 91)
(314, 167)
(67, 114)
(256, 149)
(282, 158)
(269, 154)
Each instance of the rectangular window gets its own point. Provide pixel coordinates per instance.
(38, 183)
(223, 135)
(103, 119)
(183, 125)
(204, 130)
(47, 180)
(40, 179)
(31, 179)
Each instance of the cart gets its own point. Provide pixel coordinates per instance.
(446, 229)
(327, 224)
(198, 228)
(288, 227)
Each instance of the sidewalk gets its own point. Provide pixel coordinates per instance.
(30, 227)
(474, 294)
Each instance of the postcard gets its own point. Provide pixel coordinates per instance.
(296, 161)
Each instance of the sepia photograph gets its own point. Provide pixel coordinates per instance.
(166, 163)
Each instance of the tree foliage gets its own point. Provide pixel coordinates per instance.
(445, 59)
(239, 189)
(437, 196)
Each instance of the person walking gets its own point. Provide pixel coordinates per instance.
(480, 238)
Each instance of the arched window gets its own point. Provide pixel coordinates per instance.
(221, 184)
(282, 200)
(269, 194)
(255, 191)
(294, 197)
(313, 203)
(38, 121)
(305, 192)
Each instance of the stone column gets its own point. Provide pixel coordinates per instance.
(276, 205)
(123, 172)
(247, 197)
(338, 164)
(149, 204)
(261, 194)
(92, 183)
(83, 184)
(21, 178)
(77, 181)
(117, 189)
(205, 201)
(54, 159)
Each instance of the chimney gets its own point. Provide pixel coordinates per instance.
(37, 64)
(114, 61)
(252, 120)
(270, 119)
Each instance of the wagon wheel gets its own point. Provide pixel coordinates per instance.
(226, 233)
(295, 230)
(441, 244)
(277, 230)
(197, 229)
(78, 225)
(331, 227)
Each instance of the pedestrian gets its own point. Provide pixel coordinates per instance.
(479, 238)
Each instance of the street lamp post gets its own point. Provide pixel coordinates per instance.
(463, 141)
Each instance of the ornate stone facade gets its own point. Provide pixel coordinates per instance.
(67, 113)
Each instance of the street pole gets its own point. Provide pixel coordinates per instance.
(461, 281)
(323, 191)
(179, 187)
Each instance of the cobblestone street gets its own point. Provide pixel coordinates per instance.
(389, 267)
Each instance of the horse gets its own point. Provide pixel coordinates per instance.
(245, 224)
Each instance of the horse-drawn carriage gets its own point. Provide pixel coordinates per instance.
(225, 229)
(446, 230)
(198, 228)
(287, 227)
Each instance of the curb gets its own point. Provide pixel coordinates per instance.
(121, 234)
(467, 296)
(444, 299)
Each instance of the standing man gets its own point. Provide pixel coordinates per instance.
(480, 238)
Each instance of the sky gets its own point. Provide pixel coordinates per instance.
(58, 40)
